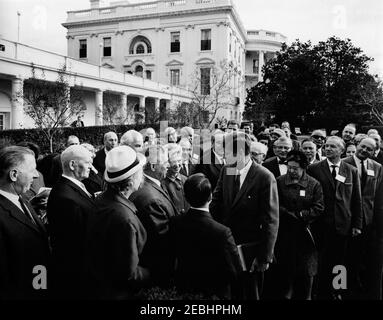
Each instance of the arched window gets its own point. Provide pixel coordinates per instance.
(140, 41)
(139, 71)
(140, 49)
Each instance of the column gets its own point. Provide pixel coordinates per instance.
(124, 108)
(260, 64)
(17, 103)
(98, 108)
(142, 107)
(157, 104)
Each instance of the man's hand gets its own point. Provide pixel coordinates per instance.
(259, 267)
(356, 232)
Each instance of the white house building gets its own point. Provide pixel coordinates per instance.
(145, 54)
(169, 40)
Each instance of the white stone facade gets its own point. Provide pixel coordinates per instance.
(163, 40)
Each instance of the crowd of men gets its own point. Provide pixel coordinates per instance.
(233, 214)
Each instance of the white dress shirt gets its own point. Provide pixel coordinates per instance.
(282, 168)
(79, 184)
(243, 173)
(157, 182)
(359, 164)
(330, 164)
(14, 198)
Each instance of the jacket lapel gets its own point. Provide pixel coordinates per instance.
(78, 190)
(163, 192)
(342, 172)
(246, 184)
(326, 171)
(20, 216)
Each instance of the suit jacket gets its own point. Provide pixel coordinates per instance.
(155, 209)
(99, 161)
(207, 257)
(211, 169)
(190, 169)
(56, 170)
(68, 211)
(379, 158)
(23, 245)
(114, 244)
(94, 183)
(343, 203)
(253, 213)
(273, 166)
(369, 193)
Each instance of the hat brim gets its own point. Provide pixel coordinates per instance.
(141, 162)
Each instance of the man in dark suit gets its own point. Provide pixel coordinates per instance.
(277, 165)
(309, 148)
(23, 238)
(69, 207)
(95, 182)
(207, 257)
(187, 161)
(378, 154)
(56, 169)
(319, 138)
(110, 141)
(116, 236)
(246, 200)
(362, 249)
(212, 161)
(155, 209)
(342, 217)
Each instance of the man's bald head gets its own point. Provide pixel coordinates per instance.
(110, 140)
(76, 162)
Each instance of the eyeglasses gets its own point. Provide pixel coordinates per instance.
(318, 137)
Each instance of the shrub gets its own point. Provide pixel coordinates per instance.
(93, 135)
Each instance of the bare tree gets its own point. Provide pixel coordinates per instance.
(371, 97)
(114, 113)
(213, 91)
(51, 105)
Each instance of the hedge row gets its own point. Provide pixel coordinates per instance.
(93, 135)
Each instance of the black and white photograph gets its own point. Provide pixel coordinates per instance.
(206, 151)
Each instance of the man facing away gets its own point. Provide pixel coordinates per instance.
(207, 257)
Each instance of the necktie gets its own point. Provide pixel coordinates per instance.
(26, 210)
(333, 172)
(363, 175)
(186, 169)
(282, 161)
(237, 184)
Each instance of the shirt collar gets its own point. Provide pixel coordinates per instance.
(173, 179)
(157, 182)
(200, 209)
(10, 196)
(78, 183)
(330, 164)
(246, 169)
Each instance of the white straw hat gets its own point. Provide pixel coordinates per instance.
(122, 162)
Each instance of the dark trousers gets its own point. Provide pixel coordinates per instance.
(332, 253)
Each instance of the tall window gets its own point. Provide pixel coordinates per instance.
(255, 66)
(148, 74)
(205, 81)
(205, 39)
(140, 49)
(230, 43)
(175, 42)
(2, 121)
(175, 77)
(83, 49)
(107, 47)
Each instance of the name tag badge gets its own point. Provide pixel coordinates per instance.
(371, 173)
(302, 193)
(340, 178)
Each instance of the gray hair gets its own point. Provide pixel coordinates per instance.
(129, 137)
(282, 140)
(11, 157)
(75, 152)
